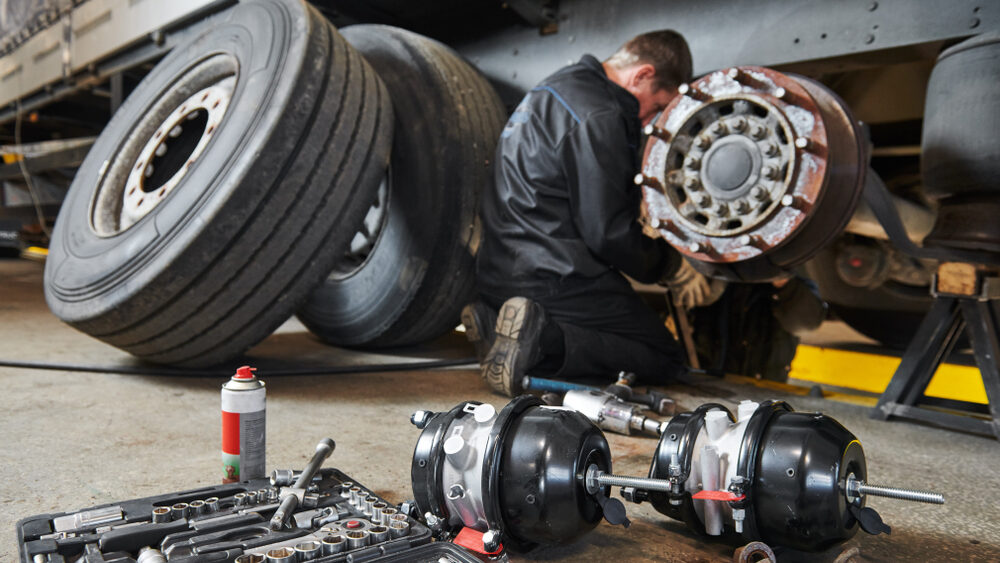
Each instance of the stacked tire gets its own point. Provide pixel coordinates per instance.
(238, 174)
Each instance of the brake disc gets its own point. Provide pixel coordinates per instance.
(750, 172)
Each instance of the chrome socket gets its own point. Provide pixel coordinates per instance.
(379, 533)
(399, 528)
(249, 558)
(308, 550)
(197, 507)
(357, 539)
(377, 509)
(251, 497)
(161, 514)
(261, 496)
(399, 518)
(281, 555)
(240, 499)
(212, 504)
(355, 495)
(345, 489)
(369, 502)
(179, 511)
(387, 514)
(282, 477)
(334, 543)
(272, 496)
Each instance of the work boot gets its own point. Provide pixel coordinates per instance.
(479, 320)
(517, 347)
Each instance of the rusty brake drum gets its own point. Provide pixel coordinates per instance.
(750, 172)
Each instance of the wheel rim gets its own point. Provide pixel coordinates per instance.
(165, 146)
(368, 235)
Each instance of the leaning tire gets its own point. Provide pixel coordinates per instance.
(412, 269)
(238, 221)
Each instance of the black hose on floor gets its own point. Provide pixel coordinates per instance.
(327, 370)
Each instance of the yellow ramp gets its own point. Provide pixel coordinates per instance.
(872, 372)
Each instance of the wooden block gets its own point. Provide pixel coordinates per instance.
(957, 278)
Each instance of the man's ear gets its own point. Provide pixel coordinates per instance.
(644, 72)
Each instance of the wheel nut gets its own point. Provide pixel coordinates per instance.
(703, 142)
(758, 132)
(742, 206)
(770, 172)
(771, 150)
(739, 124)
(758, 193)
(704, 200)
(722, 210)
(692, 183)
(693, 163)
(719, 128)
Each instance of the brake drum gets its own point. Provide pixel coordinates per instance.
(750, 172)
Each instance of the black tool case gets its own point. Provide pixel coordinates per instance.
(223, 522)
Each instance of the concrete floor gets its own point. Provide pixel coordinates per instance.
(73, 440)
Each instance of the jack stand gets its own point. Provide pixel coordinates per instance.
(965, 297)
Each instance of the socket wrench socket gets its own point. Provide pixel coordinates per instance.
(308, 550)
(179, 511)
(262, 496)
(249, 558)
(399, 518)
(240, 499)
(379, 533)
(345, 489)
(399, 528)
(334, 543)
(251, 497)
(212, 504)
(281, 555)
(386, 516)
(377, 509)
(370, 501)
(161, 514)
(282, 477)
(197, 507)
(355, 495)
(357, 539)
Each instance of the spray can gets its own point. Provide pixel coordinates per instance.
(243, 426)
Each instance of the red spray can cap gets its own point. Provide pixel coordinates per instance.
(244, 372)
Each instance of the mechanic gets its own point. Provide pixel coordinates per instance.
(561, 227)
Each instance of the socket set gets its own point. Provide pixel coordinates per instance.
(335, 519)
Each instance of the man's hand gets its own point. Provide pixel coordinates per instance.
(691, 288)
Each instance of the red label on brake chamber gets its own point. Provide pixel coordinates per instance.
(717, 495)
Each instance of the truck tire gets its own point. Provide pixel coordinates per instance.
(275, 134)
(412, 269)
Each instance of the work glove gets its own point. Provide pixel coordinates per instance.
(691, 288)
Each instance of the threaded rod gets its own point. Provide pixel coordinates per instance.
(643, 483)
(902, 494)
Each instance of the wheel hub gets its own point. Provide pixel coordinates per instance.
(738, 164)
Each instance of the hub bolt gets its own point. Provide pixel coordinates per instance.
(739, 124)
(722, 210)
(703, 142)
(692, 183)
(693, 163)
(758, 193)
(704, 200)
(770, 172)
(758, 132)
